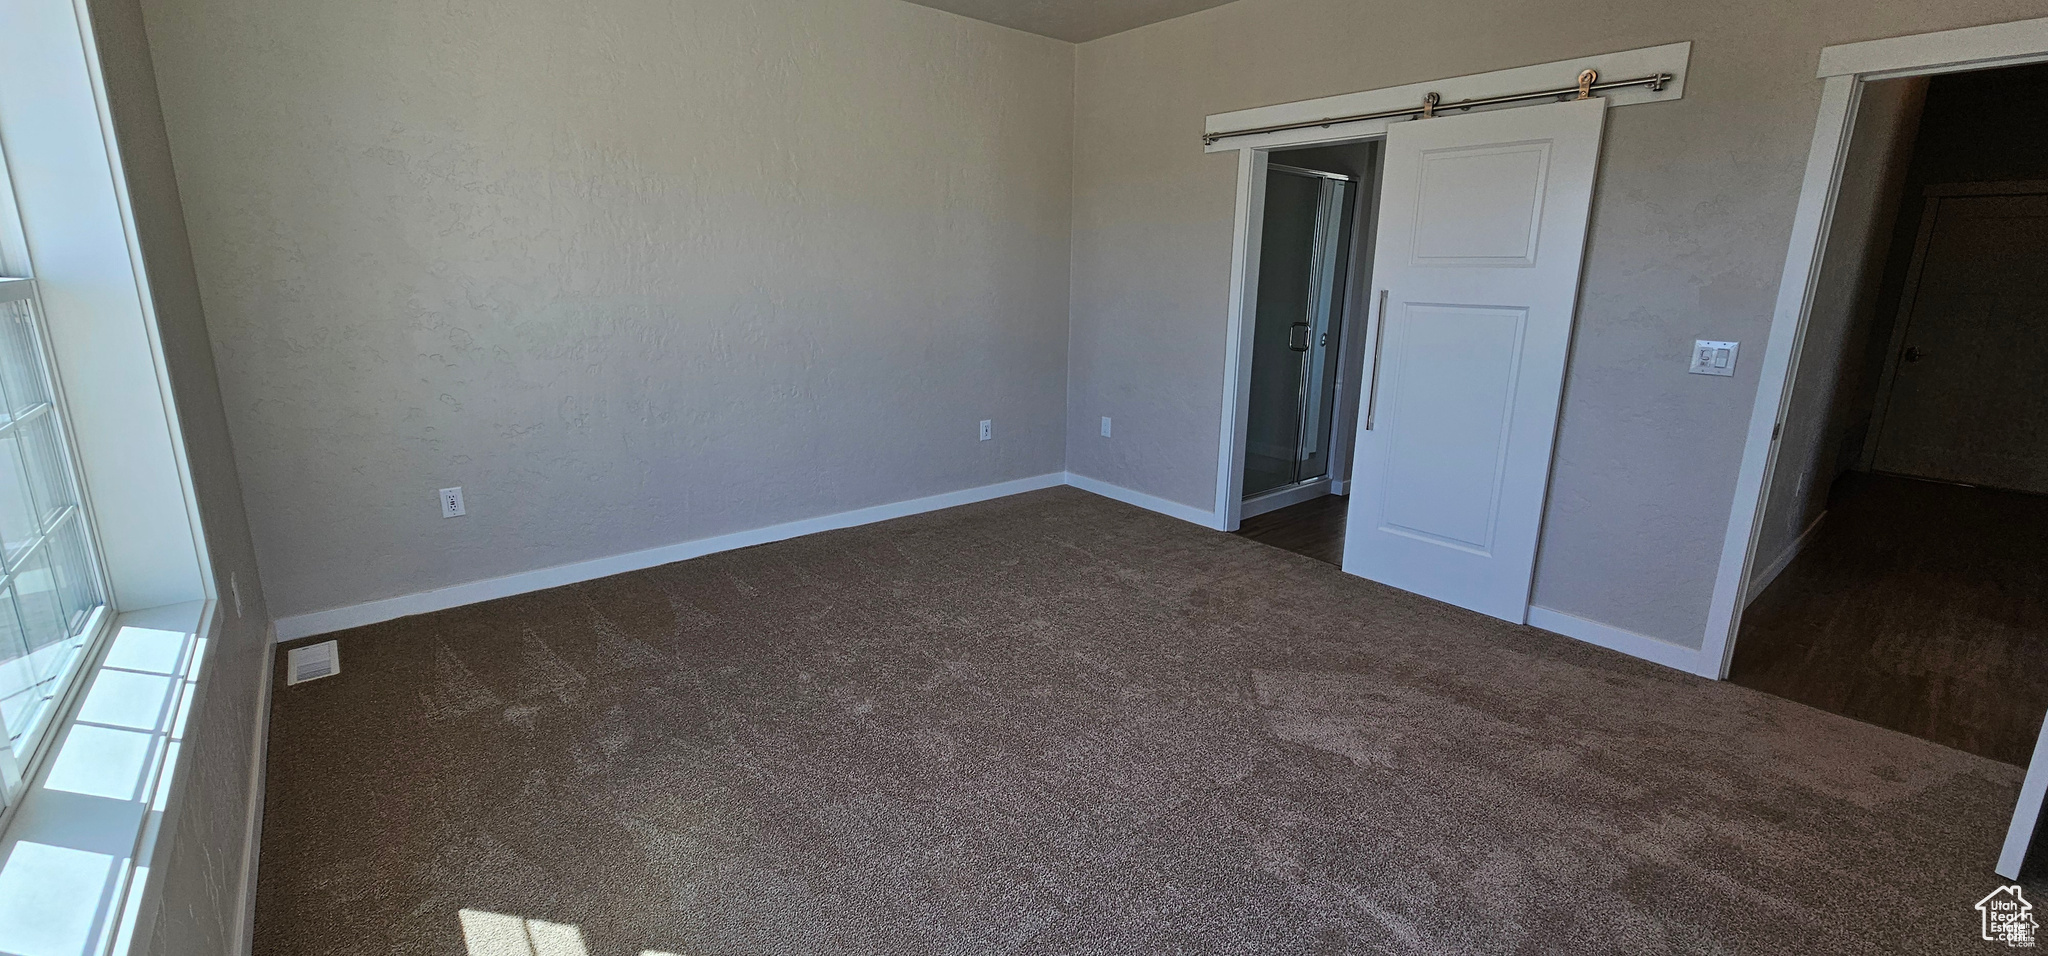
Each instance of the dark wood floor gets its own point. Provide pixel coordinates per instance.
(1313, 528)
(1920, 607)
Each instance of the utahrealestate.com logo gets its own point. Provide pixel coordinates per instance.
(2008, 918)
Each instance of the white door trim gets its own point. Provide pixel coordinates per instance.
(1252, 158)
(1247, 235)
(1947, 51)
(1844, 69)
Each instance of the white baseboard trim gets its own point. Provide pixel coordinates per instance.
(1763, 578)
(441, 599)
(1689, 660)
(1171, 509)
(245, 930)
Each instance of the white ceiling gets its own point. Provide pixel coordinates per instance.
(1076, 21)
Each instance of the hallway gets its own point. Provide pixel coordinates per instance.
(1918, 606)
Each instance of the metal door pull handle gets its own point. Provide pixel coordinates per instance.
(1372, 385)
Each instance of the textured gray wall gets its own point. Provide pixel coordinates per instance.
(201, 868)
(632, 273)
(1827, 404)
(1688, 241)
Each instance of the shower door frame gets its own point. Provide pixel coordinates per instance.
(1337, 454)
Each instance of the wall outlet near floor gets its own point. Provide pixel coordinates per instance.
(988, 429)
(451, 503)
(1105, 426)
(1713, 358)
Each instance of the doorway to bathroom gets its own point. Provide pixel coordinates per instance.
(1314, 257)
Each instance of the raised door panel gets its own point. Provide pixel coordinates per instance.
(1449, 403)
(1480, 205)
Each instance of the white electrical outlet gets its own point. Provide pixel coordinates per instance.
(988, 429)
(236, 587)
(451, 503)
(1105, 426)
(1713, 358)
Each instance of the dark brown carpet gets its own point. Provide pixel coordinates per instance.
(1057, 724)
(1918, 606)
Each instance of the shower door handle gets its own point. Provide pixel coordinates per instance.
(1297, 337)
(1372, 385)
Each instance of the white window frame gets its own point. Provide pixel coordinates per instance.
(18, 767)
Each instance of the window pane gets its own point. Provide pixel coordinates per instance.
(51, 587)
(45, 630)
(19, 698)
(77, 586)
(21, 372)
(18, 526)
(48, 479)
(43, 621)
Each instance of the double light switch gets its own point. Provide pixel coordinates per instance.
(1713, 358)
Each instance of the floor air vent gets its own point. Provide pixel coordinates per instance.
(312, 662)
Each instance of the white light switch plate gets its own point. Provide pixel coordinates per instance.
(1713, 358)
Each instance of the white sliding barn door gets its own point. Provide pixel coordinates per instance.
(1482, 230)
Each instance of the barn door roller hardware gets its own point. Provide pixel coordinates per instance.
(1433, 104)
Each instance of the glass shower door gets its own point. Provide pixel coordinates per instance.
(1304, 250)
